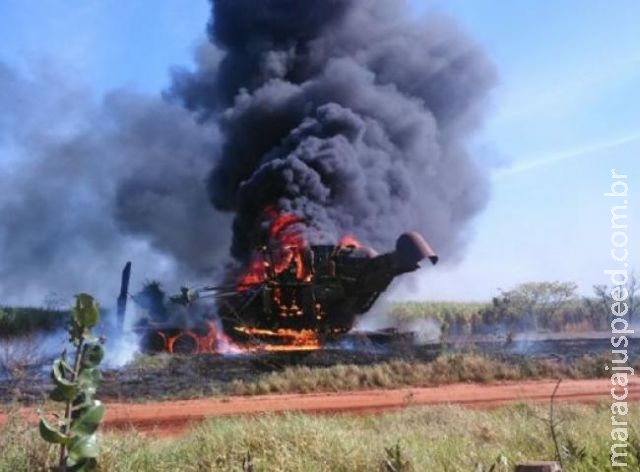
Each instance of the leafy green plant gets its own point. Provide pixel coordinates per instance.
(75, 387)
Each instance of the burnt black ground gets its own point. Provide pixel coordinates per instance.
(172, 377)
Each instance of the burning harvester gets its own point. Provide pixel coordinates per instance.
(292, 295)
(319, 289)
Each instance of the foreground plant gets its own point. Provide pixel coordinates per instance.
(75, 386)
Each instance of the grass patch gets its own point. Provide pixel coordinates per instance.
(410, 311)
(393, 374)
(443, 438)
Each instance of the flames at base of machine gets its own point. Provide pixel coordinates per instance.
(215, 341)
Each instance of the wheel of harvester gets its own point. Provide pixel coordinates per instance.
(185, 344)
(153, 342)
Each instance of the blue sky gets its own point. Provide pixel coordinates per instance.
(566, 112)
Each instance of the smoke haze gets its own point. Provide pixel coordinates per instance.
(102, 184)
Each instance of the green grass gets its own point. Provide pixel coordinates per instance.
(443, 438)
(410, 311)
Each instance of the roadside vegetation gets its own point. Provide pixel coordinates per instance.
(444, 370)
(146, 379)
(438, 438)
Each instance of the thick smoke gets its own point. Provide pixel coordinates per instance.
(86, 187)
(346, 113)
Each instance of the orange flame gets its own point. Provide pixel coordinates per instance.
(285, 248)
(305, 340)
(350, 240)
(216, 342)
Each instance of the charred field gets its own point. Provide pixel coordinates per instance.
(360, 362)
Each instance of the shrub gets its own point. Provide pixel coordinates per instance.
(75, 386)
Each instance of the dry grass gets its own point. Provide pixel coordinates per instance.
(446, 369)
(443, 438)
(20, 356)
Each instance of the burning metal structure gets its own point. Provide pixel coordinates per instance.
(290, 295)
(297, 288)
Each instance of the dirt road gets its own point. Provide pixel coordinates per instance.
(168, 418)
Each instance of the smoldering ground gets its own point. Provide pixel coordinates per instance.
(351, 114)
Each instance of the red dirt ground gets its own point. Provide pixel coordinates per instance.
(170, 418)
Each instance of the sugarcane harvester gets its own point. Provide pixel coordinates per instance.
(322, 289)
(319, 289)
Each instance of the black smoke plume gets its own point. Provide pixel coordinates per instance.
(348, 113)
